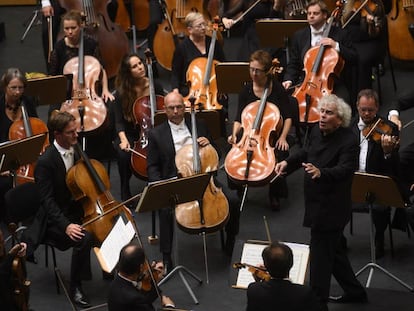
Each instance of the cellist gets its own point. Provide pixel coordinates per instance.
(260, 68)
(131, 84)
(60, 218)
(163, 142)
(304, 39)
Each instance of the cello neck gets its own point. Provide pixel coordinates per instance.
(26, 121)
(259, 116)
(194, 135)
(210, 57)
(81, 68)
(153, 102)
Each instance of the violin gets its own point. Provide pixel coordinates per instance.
(259, 274)
(365, 8)
(321, 63)
(201, 75)
(86, 106)
(21, 284)
(144, 110)
(27, 127)
(148, 278)
(251, 161)
(211, 213)
(377, 129)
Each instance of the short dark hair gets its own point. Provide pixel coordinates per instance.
(368, 93)
(131, 257)
(321, 4)
(278, 259)
(59, 120)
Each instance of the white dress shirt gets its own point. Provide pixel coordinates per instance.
(181, 135)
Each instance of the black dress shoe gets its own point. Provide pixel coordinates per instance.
(349, 299)
(79, 298)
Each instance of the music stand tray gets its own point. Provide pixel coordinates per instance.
(379, 189)
(281, 29)
(170, 193)
(231, 76)
(20, 152)
(48, 90)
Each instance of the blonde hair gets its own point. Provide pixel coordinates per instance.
(192, 17)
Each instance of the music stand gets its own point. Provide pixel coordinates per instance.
(47, 90)
(370, 189)
(231, 76)
(170, 193)
(20, 152)
(281, 31)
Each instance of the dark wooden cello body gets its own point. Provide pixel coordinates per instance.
(86, 106)
(144, 110)
(321, 63)
(252, 160)
(113, 43)
(89, 184)
(401, 30)
(212, 213)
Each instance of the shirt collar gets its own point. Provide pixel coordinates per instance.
(134, 283)
(177, 127)
(317, 31)
(62, 150)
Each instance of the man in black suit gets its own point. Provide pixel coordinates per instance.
(126, 291)
(376, 156)
(59, 217)
(163, 143)
(329, 160)
(306, 38)
(279, 290)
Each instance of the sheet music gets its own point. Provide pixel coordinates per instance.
(120, 235)
(252, 254)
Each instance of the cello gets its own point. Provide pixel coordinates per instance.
(144, 110)
(212, 213)
(89, 184)
(139, 17)
(251, 161)
(401, 30)
(27, 127)
(113, 43)
(88, 109)
(201, 75)
(320, 64)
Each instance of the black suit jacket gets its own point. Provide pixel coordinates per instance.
(161, 151)
(280, 294)
(124, 296)
(301, 43)
(328, 198)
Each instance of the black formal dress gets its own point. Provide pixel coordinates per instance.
(328, 207)
(281, 295)
(161, 165)
(125, 296)
(57, 211)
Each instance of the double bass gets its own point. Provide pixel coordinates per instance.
(401, 30)
(321, 63)
(113, 43)
(27, 127)
(251, 161)
(144, 110)
(201, 75)
(86, 106)
(211, 213)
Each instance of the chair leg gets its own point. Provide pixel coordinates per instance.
(391, 237)
(351, 224)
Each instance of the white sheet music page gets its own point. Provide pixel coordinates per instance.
(252, 254)
(120, 235)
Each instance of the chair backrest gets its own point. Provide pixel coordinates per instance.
(22, 202)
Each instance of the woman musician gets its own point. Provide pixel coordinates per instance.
(260, 72)
(13, 83)
(131, 84)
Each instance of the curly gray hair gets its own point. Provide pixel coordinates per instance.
(343, 110)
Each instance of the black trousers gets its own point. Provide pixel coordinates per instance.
(328, 258)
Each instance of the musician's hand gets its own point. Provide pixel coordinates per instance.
(287, 84)
(106, 95)
(231, 139)
(18, 250)
(203, 141)
(280, 168)
(5, 173)
(227, 22)
(412, 187)
(48, 11)
(396, 120)
(282, 144)
(312, 170)
(388, 143)
(328, 42)
(124, 145)
(74, 232)
(167, 302)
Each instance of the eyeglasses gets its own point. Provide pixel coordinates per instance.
(200, 26)
(172, 108)
(15, 88)
(256, 70)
